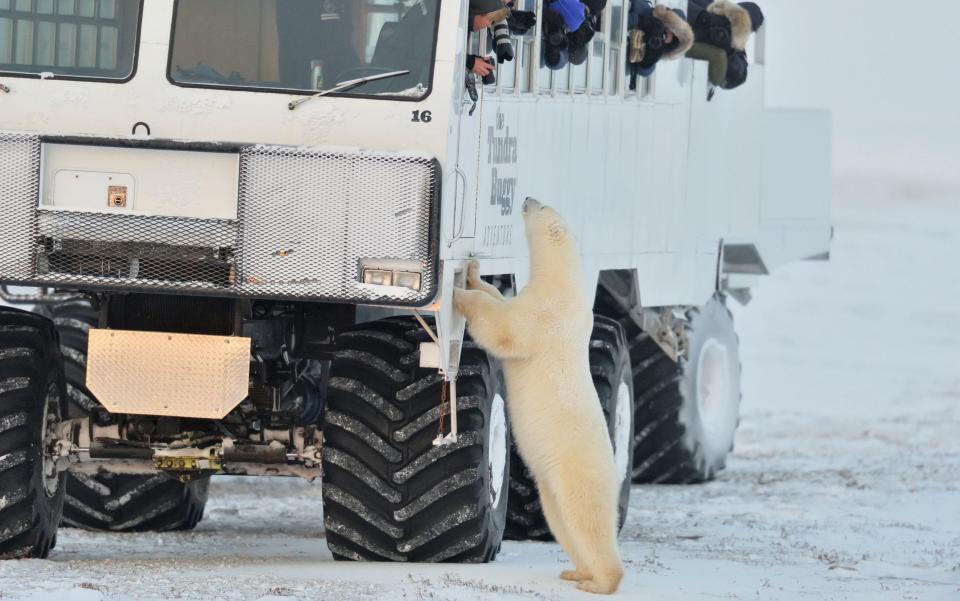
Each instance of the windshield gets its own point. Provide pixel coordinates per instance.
(305, 45)
(95, 39)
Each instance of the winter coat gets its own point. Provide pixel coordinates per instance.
(572, 12)
(647, 25)
(654, 22)
(720, 23)
(404, 46)
(310, 30)
(494, 9)
(727, 68)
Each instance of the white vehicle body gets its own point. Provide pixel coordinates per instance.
(223, 231)
(658, 182)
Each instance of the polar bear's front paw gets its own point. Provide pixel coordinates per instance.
(458, 301)
(573, 575)
(473, 275)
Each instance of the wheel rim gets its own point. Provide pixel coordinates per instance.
(622, 431)
(49, 434)
(497, 449)
(714, 397)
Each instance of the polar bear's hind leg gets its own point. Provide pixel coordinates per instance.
(558, 529)
(591, 529)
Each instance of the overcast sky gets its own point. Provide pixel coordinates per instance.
(889, 70)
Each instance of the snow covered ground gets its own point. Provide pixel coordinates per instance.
(845, 483)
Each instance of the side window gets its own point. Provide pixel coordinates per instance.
(561, 80)
(74, 38)
(760, 46)
(617, 47)
(527, 63)
(596, 56)
(578, 77)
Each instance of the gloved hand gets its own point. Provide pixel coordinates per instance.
(504, 51)
(521, 21)
(501, 41)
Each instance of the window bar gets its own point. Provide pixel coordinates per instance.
(534, 71)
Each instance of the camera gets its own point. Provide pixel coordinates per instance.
(490, 78)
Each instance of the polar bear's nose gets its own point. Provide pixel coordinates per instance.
(530, 203)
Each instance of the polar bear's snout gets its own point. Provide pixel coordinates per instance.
(530, 204)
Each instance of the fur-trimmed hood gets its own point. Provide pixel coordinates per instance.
(680, 29)
(740, 25)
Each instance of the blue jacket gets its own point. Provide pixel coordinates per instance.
(574, 12)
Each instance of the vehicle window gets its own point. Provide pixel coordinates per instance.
(94, 39)
(617, 50)
(305, 45)
(596, 63)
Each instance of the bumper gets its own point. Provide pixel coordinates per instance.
(309, 221)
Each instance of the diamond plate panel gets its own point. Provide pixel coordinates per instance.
(179, 375)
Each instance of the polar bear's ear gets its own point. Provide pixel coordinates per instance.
(557, 231)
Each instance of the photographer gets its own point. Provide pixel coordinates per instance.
(568, 26)
(721, 31)
(483, 15)
(655, 33)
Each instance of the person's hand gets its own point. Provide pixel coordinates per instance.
(521, 21)
(504, 51)
(481, 67)
(481, 22)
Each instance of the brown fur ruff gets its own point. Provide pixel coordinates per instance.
(740, 25)
(678, 27)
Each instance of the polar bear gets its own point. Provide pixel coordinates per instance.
(542, 337)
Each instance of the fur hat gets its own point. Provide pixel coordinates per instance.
(554, 57)
(740, 25)
(756, 15)
(578, 55)
(492, 9)
(674, 22)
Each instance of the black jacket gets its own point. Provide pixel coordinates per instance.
(720, 23)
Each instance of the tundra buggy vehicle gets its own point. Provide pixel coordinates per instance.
(241, 223)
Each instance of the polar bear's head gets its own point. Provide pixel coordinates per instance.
(548, 237)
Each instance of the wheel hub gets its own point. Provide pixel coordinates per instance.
(497, 448)
(714, 385)
(49, 435)
(622, 430)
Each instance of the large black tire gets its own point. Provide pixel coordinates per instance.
(389, 494)
(32, 403)
(683, 436)
(114, 502)
(613, 380)
(133, 503)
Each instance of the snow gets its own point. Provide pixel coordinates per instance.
(845, 483)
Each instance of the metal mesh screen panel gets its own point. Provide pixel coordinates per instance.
(308, 220)
(135, 251)
(19, 190)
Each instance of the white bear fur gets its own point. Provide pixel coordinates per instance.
(542, 337)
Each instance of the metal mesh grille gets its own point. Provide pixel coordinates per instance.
(136, 251)
(19, 190)
(307, 220)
